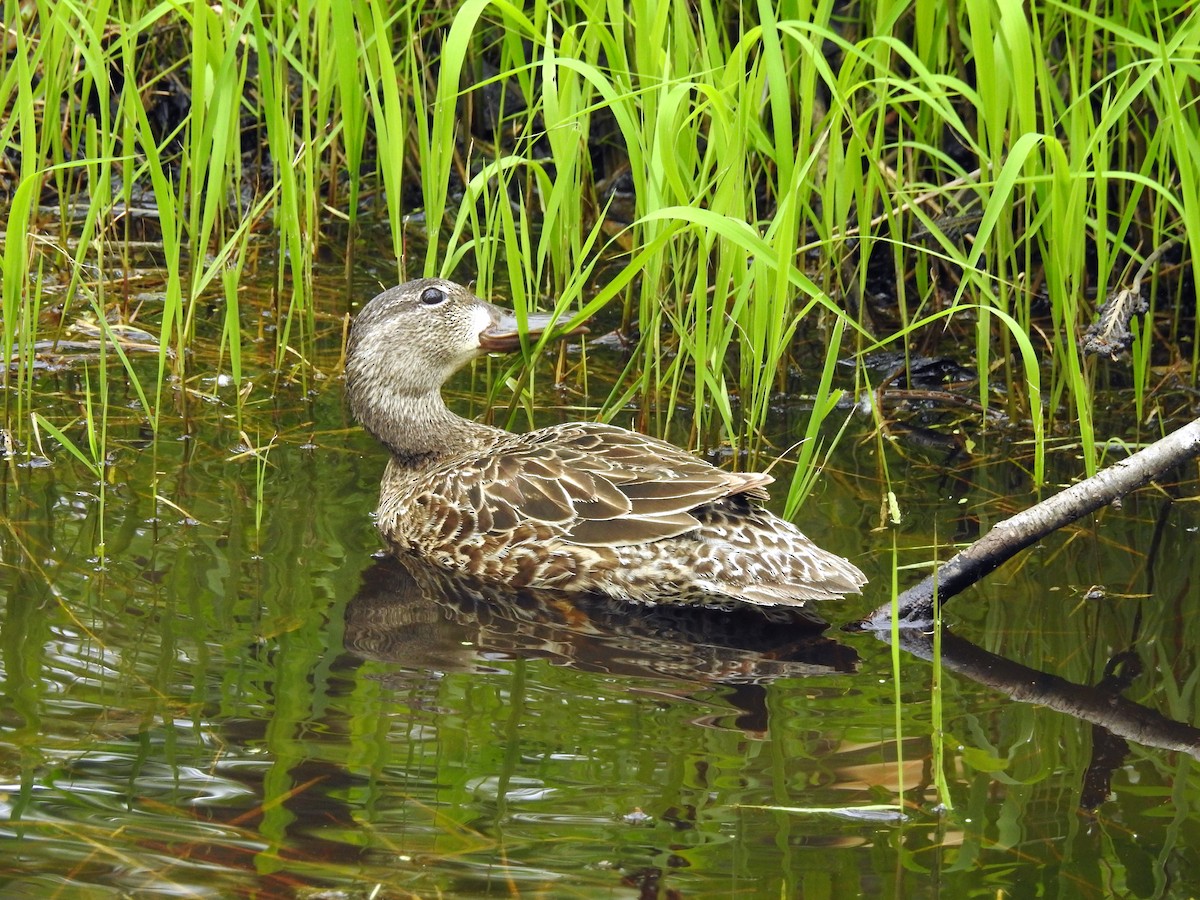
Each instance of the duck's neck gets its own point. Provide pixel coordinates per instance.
(419, 430)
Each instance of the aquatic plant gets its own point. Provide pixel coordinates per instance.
(906, 175)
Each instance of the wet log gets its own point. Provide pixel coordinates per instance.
(1007, 538)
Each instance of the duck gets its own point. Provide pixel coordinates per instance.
(578, 507)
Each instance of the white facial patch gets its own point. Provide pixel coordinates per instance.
(482, 320)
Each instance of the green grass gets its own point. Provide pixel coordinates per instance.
(771, 152)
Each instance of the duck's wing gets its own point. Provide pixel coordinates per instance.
(598, 485)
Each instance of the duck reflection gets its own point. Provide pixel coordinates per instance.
(429, 619)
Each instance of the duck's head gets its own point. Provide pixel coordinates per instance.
(410, 339)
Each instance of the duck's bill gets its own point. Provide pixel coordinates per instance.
(504, 332)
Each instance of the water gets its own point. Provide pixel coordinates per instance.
(216, 708)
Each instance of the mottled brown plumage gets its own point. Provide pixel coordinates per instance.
(576, 507)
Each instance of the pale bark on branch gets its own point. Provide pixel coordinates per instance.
(1014, 534)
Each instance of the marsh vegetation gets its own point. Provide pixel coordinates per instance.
(925, 260)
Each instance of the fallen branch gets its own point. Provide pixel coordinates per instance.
(1007, 538)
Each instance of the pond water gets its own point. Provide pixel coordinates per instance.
(242, 698)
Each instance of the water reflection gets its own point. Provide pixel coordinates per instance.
(183, 719)
(1115, 720)
(428, 619)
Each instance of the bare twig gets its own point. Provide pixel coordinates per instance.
(1007, 538)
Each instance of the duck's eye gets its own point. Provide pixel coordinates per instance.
(432, 296)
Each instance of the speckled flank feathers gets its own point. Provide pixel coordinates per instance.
(576, 507)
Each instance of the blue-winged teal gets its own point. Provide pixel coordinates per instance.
(575, 507)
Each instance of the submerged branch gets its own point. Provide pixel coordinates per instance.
(915, 606)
